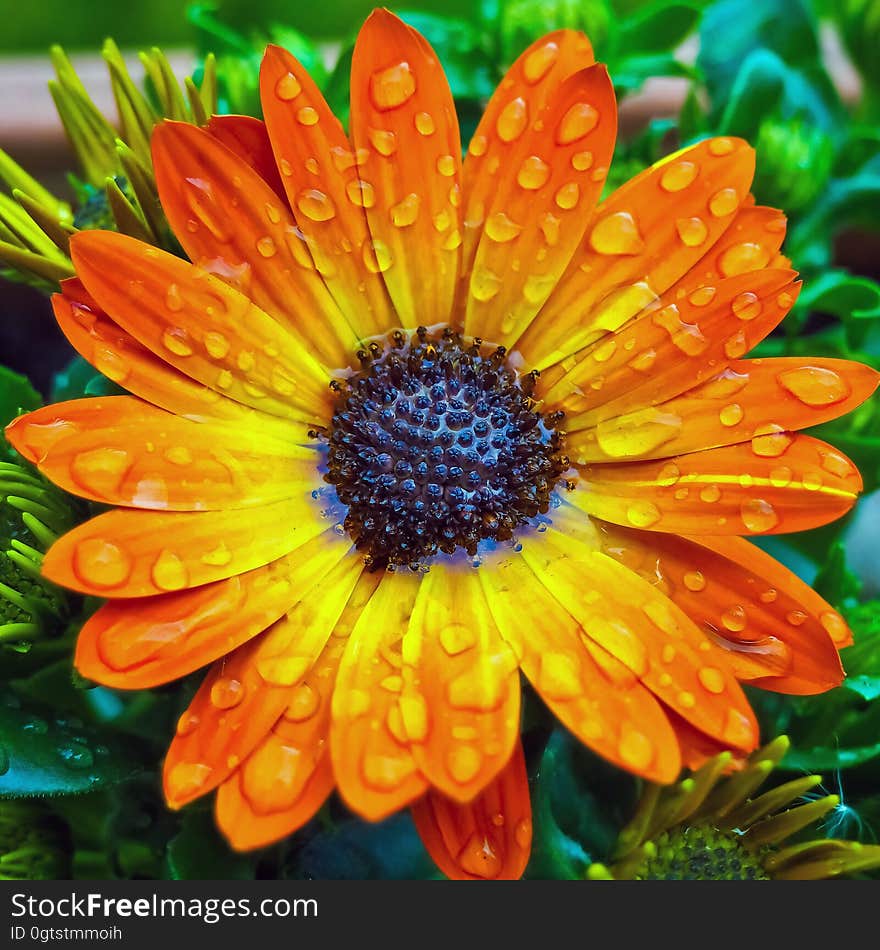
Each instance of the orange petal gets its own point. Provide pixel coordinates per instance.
(697, 748)
(646, 632)
(246, 692)
(460, 699)
(140, 643)
(591, 692)
(319, 171)
(748, 397)
(245, 828)
(773, 627)
(749, 244)
(122, 359)
(779, 482)
(125, 553)
(124, 451)
(249, 139)
(374, 766)
(530, 84)
(668, 349)
(641, 240)
(201, 325)
(231, 223)
(403, 121)
(540, 202)
(489, 838)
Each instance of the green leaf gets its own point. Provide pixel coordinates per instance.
(658, 27)
(79, 379)
(835, 581)
(823, 759)
(16, 396)
(48, 754)
(462, 51)
(199, 853)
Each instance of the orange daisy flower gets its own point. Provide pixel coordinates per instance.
(551, 477)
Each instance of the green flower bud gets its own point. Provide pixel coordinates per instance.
(521, 22)
(794, 162)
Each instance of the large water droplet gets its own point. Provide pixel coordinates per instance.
(314, 204)
(101, 563)
(678, 176)
(577, 123)
(288, 87)
(539, 62)
(513, 119)
(758, 515)
(392, 87)
(533, 173)
(815, 386)
(692, 231)
(405, 212)
(617, 233)
(169, 571)
(724, 202)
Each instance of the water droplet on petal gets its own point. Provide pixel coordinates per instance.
(500, 228)
(512, 121)
(815, 386)
(288, 87)
(187, 724)
(560, 676)
(710, 494)
(581, 161)
(578, 122)
(266, 246)
(835, 626)
(101, 563)
(568, 196)
(392, 87)
(533, 173)
(360, 193)
(315, 205)
(734, 619)
(227, 692)
(746, 306)
(405, 212)
(731, 415)
(186, 778)
(384, 141)
(479, 858)
(169, 572)
(176, 341)
(692, 231)
(539, 62)
(485, 285)
(743, 258)
(173, 300)
(758, 515)
(643, 514)
(478, 146)
(702, 296)
(617, 233)
(687, 337)
(735, 345)
(694, 581)
(724, 202)
(678, 176)
(720, 146)
(770, 441)
(307, 116)
(711, 679)
(376, 256)
(797, 618)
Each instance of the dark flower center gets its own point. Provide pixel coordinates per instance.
(436, 444)
(702, 853)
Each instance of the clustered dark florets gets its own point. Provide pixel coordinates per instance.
(437, 445)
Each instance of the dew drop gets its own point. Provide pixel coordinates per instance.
(720, 146)
(314, 204)
(76, 755)
(186, 778)
(405, 212)
(731, 415)
(112, 364)
(478, 146)
(815, 386)
(643, 514)
(678, 176)
(835, 626)
(478, 858)
(691, 231)
(288, 87)
(780, 476)
(360, 193)
(577, 123)
(736, 345)
(101, 563)
(303, 704)
(568, 196)
(734, 619)
(771, 441)
(758, 515)
(694, 581)
(383, 141)
(307, 116)
(266, 246)
(500, 228)
(710, 494)
(485, 285)
(746, 306)
(464, 762)
(176, 341)
(513, 119)
(187, 724)
(687, 337)
(743, 258)
(617, 233)
(702, 296)
(391, 88)
(216, 344)
(533, 173)
(539, 62)
(227, 692)
(711, 679)
(173, 300)
(169, 572)
(376, 256)
(446, 165)
(724, 202)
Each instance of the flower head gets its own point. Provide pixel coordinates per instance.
(403, 426)
(713, 826)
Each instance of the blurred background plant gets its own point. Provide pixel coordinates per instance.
(799, 78)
